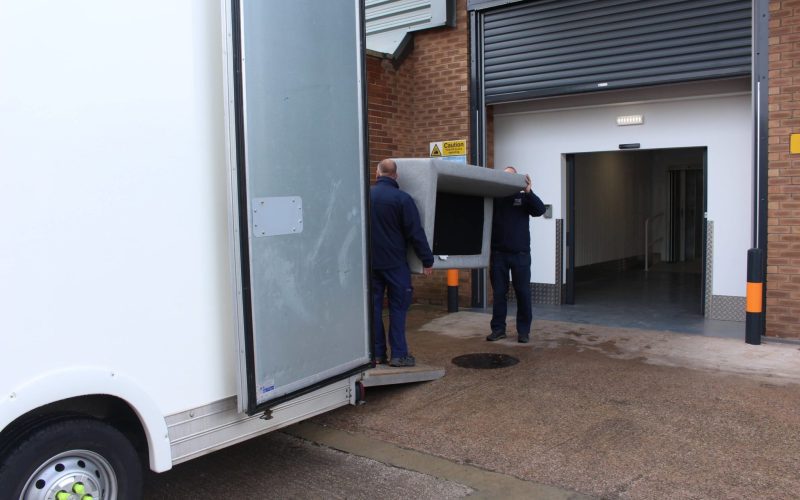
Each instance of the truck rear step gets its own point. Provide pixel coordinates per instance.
(389, 375)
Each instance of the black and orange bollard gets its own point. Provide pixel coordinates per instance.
(754, 321)
(452, 290)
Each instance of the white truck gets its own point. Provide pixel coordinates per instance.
(183, 204)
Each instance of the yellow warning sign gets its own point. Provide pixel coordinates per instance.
(454, 148)
(450, 150)
(794, 144)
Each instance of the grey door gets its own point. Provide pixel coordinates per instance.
(302, 190)
(545, 48)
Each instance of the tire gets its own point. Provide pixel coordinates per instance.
(76, 456)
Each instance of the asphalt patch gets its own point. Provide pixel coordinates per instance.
(485, 361)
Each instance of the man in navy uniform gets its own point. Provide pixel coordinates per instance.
(511, 251)
(395, 224)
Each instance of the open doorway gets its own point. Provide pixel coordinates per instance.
(636, 231)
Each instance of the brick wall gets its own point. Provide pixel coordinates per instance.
(388, 110)
(783, 259)
(424, 99)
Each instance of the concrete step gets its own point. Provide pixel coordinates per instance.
(389, 375)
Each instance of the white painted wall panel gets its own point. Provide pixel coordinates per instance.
(536, 141)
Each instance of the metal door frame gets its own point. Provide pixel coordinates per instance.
(569, 297)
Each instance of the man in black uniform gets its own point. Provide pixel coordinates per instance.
(395, 224)
(511, 250)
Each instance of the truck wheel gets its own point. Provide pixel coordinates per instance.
(77, 459)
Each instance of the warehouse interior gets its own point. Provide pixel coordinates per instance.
(638, 253)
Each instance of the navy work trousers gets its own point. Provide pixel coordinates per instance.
(520, 266)
(398, 283)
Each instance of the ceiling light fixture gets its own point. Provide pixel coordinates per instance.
(630, 120)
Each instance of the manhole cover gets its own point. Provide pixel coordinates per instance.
(485, 360)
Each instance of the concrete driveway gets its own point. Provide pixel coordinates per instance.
(588, 411)
(611, 413)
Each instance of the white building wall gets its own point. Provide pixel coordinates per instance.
(536, 141)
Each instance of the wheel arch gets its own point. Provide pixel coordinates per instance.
(94, 392)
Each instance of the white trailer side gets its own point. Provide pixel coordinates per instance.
(122, 205)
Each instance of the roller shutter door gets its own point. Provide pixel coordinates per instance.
(556, 47)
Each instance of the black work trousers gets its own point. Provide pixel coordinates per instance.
(519, 264)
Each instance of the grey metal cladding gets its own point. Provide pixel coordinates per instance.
(487, 4)
(556, 47)
(389, 21)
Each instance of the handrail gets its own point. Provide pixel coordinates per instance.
(647, 242)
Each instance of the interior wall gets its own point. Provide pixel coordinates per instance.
(613, 193)
(536, 142)
(616, 192)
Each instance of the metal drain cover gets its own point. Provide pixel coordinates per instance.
(485, 360)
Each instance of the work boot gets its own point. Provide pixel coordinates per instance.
(496, 336)
(404, 361)
(523, 338)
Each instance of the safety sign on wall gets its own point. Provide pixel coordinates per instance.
(449, 150)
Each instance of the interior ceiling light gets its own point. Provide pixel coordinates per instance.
(630, 120)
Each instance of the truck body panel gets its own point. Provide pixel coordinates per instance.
(120, 275)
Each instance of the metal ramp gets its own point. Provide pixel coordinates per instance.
(390, 375)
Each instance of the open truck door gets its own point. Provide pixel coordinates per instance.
(297, 159)
(132, 186)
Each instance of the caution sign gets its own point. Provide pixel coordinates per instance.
(454, 148)
(449, 150)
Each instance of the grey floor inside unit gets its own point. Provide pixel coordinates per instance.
(668, 297)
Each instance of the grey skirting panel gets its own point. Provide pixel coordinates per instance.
(546, 293)
(709, 266)
(726, 307)
(541, 293)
